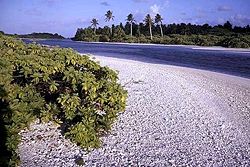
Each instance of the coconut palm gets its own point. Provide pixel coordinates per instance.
(94, 23)
(148, 21)
(158, 20)
(131, 20)
(109, 16)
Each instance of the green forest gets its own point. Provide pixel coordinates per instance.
(36, 35)
(152, 30)
(42, 36)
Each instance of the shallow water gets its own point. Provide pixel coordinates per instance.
(224, 61)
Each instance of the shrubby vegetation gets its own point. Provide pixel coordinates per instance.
(54, 84)
(231, 41)
(154, 31)
(236, 41)
(42, 36)
(36, 35)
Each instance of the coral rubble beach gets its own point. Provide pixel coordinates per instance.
(174, 116)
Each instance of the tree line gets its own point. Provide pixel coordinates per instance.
(152, 30)
(36, 35)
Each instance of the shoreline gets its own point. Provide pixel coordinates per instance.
(154, 62)
(195, 47)
(172, 64)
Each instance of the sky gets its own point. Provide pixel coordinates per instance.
(65, 16)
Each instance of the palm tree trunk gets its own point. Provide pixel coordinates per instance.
(150, 31)
(111, 31)
(95, 30)
(139, 32)
(131, 29)
(161, 31)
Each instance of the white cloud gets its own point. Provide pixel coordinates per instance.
(221, 20)
(239, 19)
(224, 8)
(105, 3)
(154, 9)
(51, 2)
(166, 3)
(33, 12)
(139, 15)
(140, 1)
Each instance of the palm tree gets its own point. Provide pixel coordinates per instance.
(94, 23)
(131, 20)
(109, 16)
(148, 21)
(158, 20)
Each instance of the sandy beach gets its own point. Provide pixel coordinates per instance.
(219, 48)
(175, 116)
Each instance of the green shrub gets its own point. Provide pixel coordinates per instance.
(104, 38)
(86, 35)
(178, 39)
(130, 39)
(198, 40)
(55, 84)
(144, 39)
(212, 40)
(118, 35)
(157, 40)
(166, 40)
(236, 42)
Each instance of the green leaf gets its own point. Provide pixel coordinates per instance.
(53, 86)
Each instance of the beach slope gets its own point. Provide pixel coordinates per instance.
(178, 116)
